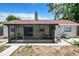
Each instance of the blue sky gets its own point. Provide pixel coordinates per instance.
(24, 9)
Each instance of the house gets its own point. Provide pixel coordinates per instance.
(39, 31)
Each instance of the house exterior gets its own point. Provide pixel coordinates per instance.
(36, 31)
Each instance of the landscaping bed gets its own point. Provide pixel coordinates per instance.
(72, 39)
(37, 50)
(3, 47)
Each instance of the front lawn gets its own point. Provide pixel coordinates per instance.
(37, 50)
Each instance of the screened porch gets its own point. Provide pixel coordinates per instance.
(31, 33)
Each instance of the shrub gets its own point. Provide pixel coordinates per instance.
(75, 43)
(28, 46)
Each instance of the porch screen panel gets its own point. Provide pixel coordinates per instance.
(12, 32)
(19, 32)
(41, 31)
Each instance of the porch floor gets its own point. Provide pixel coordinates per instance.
(31, 41)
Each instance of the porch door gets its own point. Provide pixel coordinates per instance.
(28, 32)
(51, 31)
(1, 31)
(77, 30)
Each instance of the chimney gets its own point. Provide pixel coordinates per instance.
(36, 15)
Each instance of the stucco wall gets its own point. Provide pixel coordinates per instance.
(60, 29)
(36, 33)
(5, 31)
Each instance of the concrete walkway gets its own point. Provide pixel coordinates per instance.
(3, 43)
(9, 50)
(63, 43)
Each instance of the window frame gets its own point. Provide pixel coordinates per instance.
(67, 28)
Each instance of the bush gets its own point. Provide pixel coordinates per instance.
(28, 46)
(75, 43)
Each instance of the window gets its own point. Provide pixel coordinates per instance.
(41, 28)
(67, 29)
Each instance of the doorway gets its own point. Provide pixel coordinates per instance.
(28, 32)
(77, 30)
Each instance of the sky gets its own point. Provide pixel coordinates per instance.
(25, 11)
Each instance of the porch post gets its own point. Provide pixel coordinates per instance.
(23, 31)
(8, 34)
(54, 33)
(50, 31)
(15, 32)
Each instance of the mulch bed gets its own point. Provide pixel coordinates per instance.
(37, 50)
(3, 47)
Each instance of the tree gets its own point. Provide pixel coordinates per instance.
(76, 12)
(11, 17)
(54, 9)
(65, 11)
(36, 15)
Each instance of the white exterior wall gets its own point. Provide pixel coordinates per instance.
(5, 31)
(60, 30)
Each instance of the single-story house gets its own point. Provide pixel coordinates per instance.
(35, 31)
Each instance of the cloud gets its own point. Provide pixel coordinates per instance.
(43, 18)
(23, 16)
